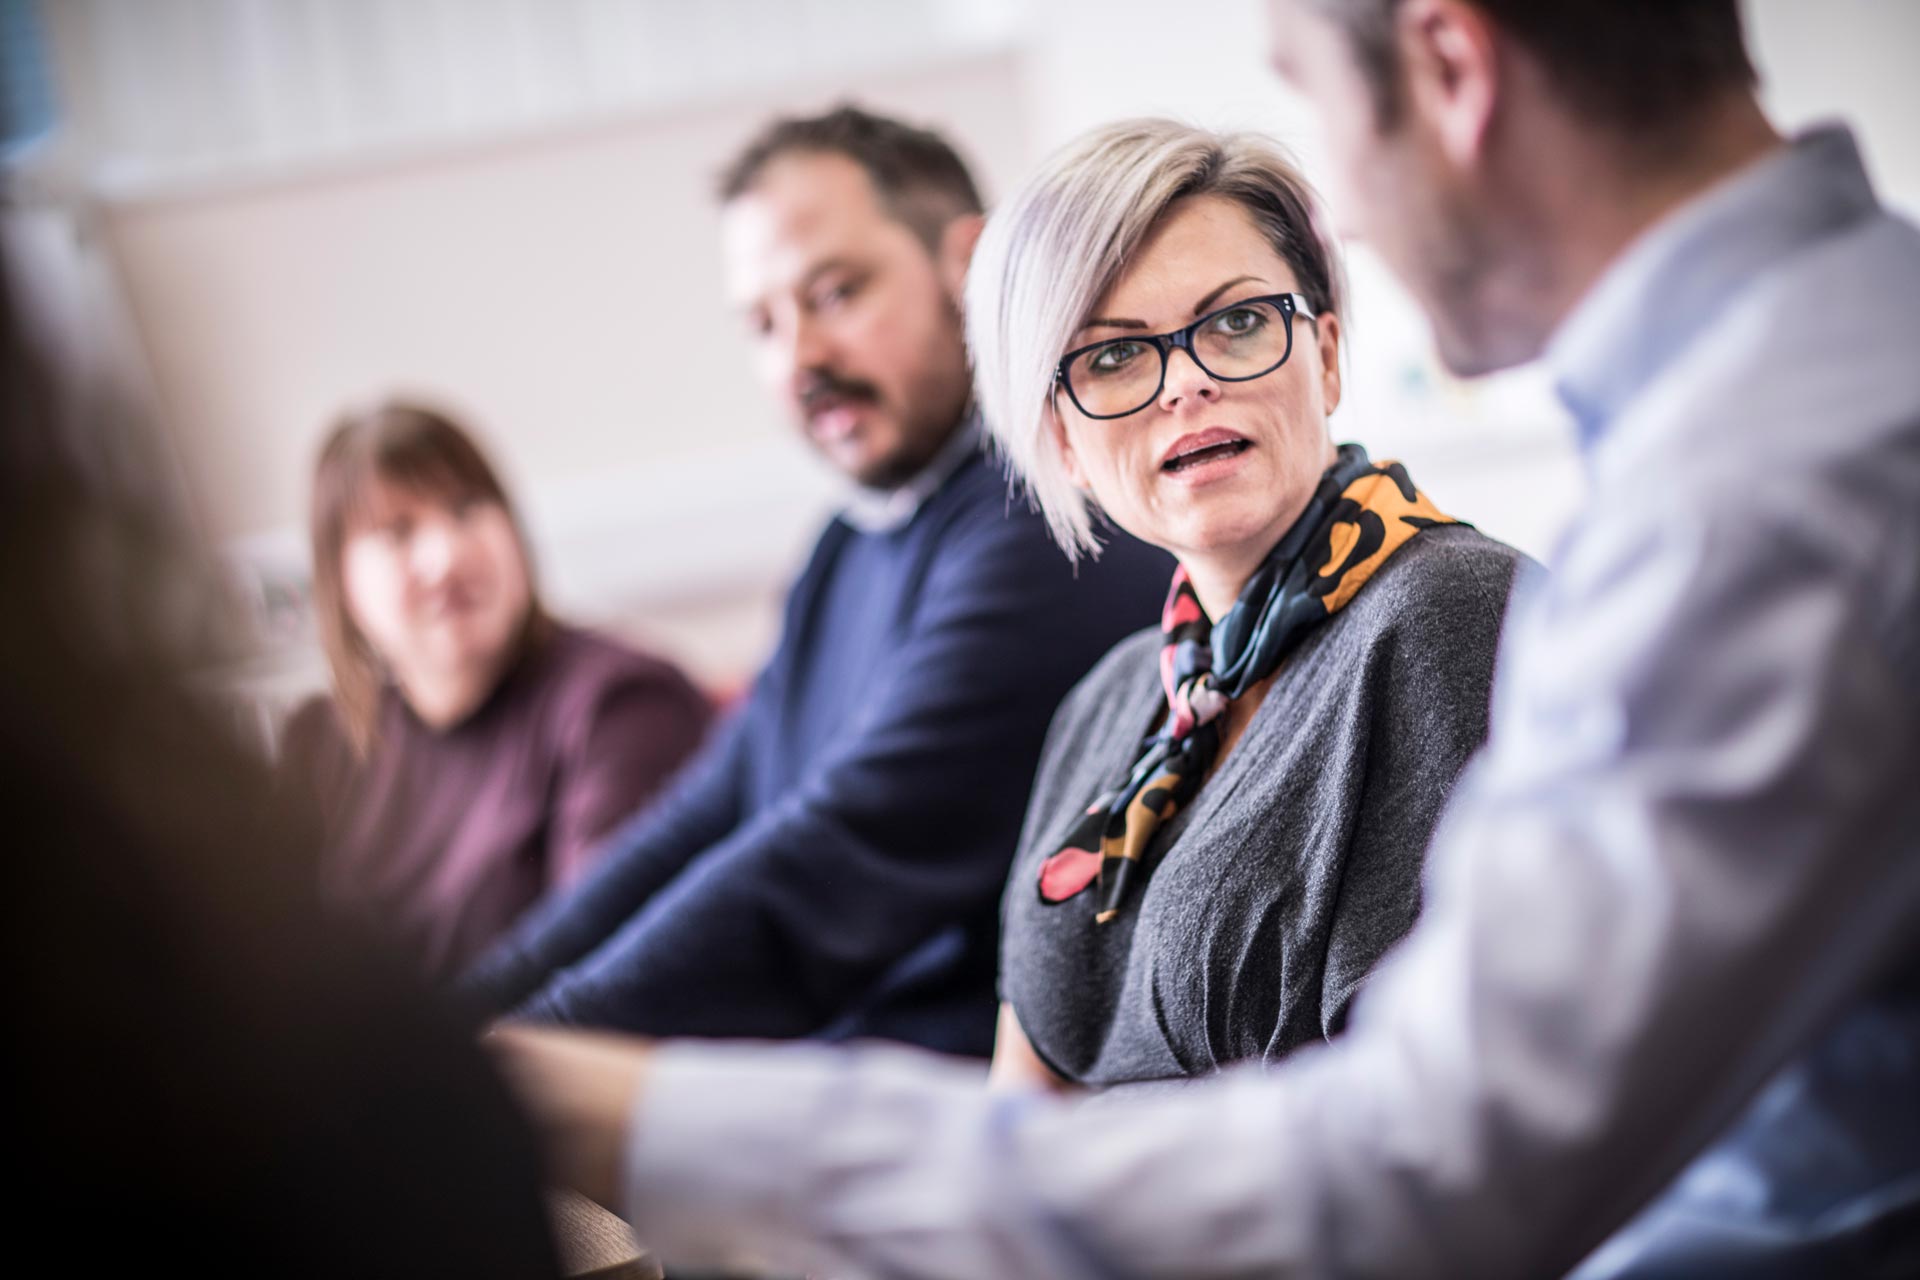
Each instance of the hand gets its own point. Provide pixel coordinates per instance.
(580, 1089)
(1016, 1067)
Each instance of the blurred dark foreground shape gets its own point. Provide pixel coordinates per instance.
(207, 1076)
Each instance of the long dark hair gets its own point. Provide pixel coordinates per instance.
(412, 446)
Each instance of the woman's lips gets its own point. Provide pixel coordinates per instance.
(451, 604)
(1203, 451)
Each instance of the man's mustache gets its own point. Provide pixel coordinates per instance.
(825, 387)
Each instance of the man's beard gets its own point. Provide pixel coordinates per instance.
(932, 410)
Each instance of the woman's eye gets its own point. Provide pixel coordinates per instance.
(1239, 321)
(1114, 357)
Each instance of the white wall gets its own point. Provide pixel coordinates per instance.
(559, 280)
(562, 290)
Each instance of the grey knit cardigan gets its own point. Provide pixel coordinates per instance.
(1295, 867)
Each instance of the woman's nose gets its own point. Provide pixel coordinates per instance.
(1186, 381)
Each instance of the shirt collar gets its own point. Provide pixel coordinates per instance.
(1670, 282)
(884, 510)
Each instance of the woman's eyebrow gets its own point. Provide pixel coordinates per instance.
(1199, 308)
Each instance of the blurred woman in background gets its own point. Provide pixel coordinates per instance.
(474, 751)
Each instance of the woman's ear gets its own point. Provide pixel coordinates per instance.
(1328, 328)
(1069, 460)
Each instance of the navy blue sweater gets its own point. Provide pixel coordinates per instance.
(830, 865)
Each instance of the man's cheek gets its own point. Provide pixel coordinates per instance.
(873, 342)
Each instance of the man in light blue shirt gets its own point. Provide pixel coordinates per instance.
(1671, 925)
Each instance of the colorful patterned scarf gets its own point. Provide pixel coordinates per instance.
(1359, 515)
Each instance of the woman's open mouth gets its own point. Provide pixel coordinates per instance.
(1201, 448)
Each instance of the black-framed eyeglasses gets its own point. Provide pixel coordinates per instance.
(1247, 340)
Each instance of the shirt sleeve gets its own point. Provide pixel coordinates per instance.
(640, 729)
(640, 856)
(1688, 847)
(793, 916)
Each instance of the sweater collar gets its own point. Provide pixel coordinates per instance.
(885, 510)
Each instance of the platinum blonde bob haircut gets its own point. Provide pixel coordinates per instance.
(1058, 244)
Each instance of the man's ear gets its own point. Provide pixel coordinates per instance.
(1327, 327)
(1450, 61)
(956, 251)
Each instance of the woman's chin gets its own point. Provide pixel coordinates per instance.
(458, 656)
(1226, 534)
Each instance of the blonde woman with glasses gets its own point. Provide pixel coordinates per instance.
(1227, 828)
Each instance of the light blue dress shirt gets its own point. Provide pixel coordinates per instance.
(1675, 905)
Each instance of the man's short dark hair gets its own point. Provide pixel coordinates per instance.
(1629, 65)
(919, 178)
